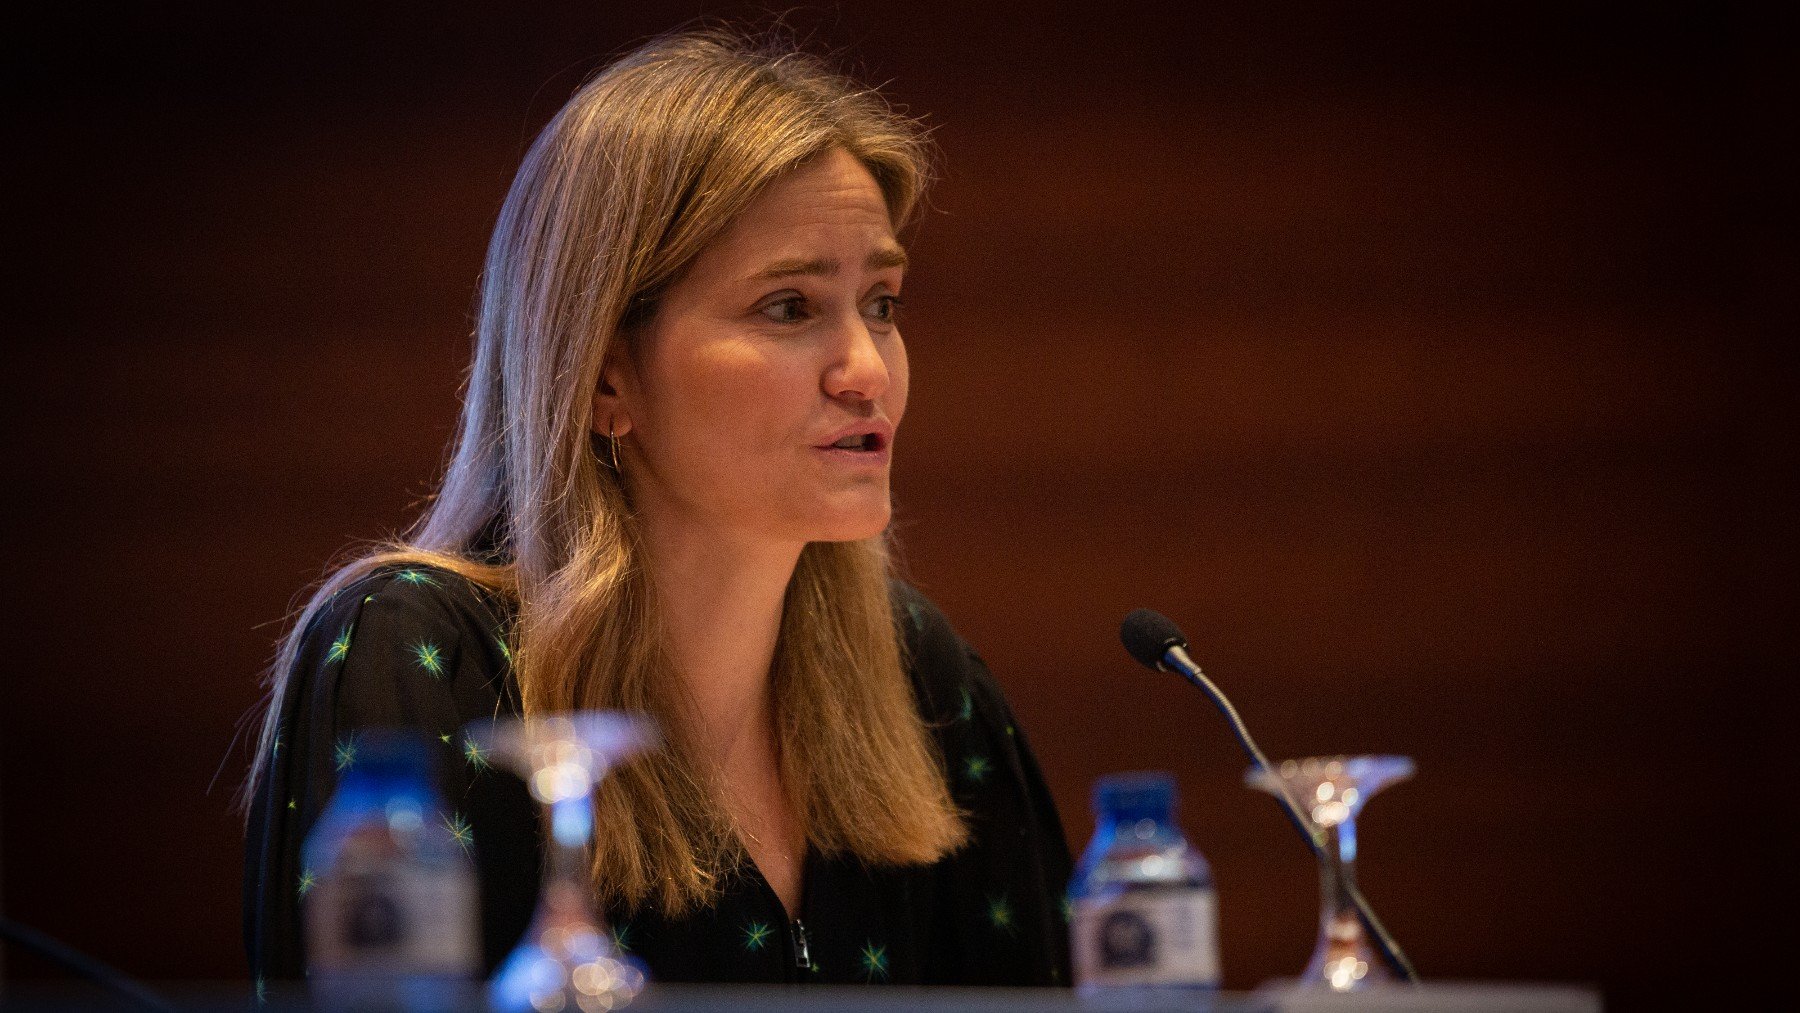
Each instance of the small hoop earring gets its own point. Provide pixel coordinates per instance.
(613, 442)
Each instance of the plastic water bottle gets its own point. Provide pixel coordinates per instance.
(1145, 917)
(391, 920)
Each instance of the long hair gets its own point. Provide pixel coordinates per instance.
(650, 161)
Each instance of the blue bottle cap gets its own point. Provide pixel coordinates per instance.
(1140, 795)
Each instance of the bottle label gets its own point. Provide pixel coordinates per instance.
(389, 913)
(1147, 938)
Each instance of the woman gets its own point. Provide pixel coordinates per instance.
(669, 494)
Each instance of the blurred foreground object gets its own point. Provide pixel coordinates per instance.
(1331, 791)
(1145, 915)
(390, 897)
(567, 960)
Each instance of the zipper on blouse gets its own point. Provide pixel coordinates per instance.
(802, 956)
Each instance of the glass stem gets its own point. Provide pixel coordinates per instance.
(571, 824)
(1344, 960)
(1337, 874)
(565, 876)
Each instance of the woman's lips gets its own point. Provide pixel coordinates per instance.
(854, 458)
(876, 434)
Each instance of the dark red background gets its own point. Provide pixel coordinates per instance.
(1412, 359)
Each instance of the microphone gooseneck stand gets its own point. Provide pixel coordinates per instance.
(1156, 643)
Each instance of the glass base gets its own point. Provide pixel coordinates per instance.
(535, 981)
(1345, 960)
(565, 963)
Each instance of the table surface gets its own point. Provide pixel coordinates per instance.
(1274, 997)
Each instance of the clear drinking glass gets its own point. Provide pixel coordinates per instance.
(567, 960)
(1330, 792)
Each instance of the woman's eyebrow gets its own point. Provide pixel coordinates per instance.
(880, 260)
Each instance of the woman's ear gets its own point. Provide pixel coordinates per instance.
(612, 412)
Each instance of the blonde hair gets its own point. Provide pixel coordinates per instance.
(647, 164)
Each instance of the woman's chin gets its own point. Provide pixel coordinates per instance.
(852, 525)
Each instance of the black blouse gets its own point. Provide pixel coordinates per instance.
(425, 648)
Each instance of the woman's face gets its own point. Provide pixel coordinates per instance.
(778, 343)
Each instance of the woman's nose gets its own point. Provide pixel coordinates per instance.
(859, 372)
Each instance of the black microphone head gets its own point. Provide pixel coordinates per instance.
(1148, 635)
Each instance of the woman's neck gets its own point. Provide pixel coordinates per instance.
(722, 604)
(722, 601)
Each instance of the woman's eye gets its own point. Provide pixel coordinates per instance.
(884, 308)
(786, 311)
(792, 309)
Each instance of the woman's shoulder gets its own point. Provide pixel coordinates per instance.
(988, 761)
(409, 616)
(427, 593)
(949, 677)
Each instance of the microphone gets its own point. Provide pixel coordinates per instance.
(1158, 644)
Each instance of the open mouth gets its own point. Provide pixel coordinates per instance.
(864, 440)
(859, 441)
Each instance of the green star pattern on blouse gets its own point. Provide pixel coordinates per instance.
(306, 882)
(343, 755)
(977, 768)
(621, 937)
(460, 831)
(444, 737)
(293, 803)
(262, 990)
(505, 651)
(416, 577)
(340, 648)
(367, 598)
(756, 936)
(276, 749)
(1000, 914)
(477, 756)
(967, 710)
(429, 657)
(874, 962)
